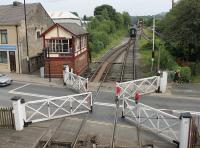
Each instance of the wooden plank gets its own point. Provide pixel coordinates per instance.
(6, 117)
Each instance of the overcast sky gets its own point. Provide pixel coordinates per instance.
(134, 7)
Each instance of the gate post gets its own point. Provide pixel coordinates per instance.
(19, 112)
(65, 74)
(163, 82)
(184, 130)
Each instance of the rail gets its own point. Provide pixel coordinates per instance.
(101, 68)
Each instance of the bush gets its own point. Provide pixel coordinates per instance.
(185, 74)
(167, 61)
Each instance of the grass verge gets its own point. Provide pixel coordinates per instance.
(196, 79)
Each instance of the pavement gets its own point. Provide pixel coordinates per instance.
(35, 78)
(99, 123)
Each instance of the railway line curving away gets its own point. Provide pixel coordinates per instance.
(82, 130)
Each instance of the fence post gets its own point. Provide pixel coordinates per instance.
(91, 102)
(184, 130)
(65, 74)
(18, 110)
(163, 82)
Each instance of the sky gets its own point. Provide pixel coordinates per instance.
(86, 7)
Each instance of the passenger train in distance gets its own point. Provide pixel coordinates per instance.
(132, 32)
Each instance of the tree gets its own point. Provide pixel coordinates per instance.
(127, 18)
(85, 18)
(110, 10)
(181, 28)
(75, 13)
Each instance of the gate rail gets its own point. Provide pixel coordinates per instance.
(144, 86)
(77, 82)
(41, 110)
(159, 122)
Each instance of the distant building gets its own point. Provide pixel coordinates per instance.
(66, 44)
(65, 17)
(14, 55)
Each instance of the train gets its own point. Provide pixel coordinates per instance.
(132, 32)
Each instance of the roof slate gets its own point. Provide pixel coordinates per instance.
(74, 28)
(12, 15)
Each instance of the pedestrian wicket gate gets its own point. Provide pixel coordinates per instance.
(76, 82)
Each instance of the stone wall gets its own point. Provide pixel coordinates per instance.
(37, 20)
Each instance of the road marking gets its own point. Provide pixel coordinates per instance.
(30, 94)
(47, 97)
(19, 87)
(105, 104)
(181, 111)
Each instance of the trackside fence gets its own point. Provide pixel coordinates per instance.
(76, 82)
(6, 118)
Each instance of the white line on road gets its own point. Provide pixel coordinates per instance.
(46, 97)
(19, 87)
(30, 94)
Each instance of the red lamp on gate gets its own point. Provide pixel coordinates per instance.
(137, 97)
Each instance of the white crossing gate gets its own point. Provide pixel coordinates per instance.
(77, 82)
(159, 122)
(143, 86)
(46, 109)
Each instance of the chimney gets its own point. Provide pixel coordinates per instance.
(16, 3)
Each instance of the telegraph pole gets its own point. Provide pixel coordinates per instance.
(172, 4)
(153, 49)
(27, 49)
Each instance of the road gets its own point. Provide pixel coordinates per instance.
(104, 108)
(105, 101)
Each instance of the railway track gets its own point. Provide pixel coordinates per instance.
(127, 73)
(123, 67)
(101, 74)
(97, 69)
(49, 139)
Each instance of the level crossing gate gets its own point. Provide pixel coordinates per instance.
(159, 122)
(52, 108)
(76, 82)
(144, 86)
(57, 107)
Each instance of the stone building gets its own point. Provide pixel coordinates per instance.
(14, 54)
(66, 44)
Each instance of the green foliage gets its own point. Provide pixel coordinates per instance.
(166, 60)
(75, 13)
(127, 18)
(185, 74)
(100, 10)
(105, 26)
(196, 79)
(180, 28)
